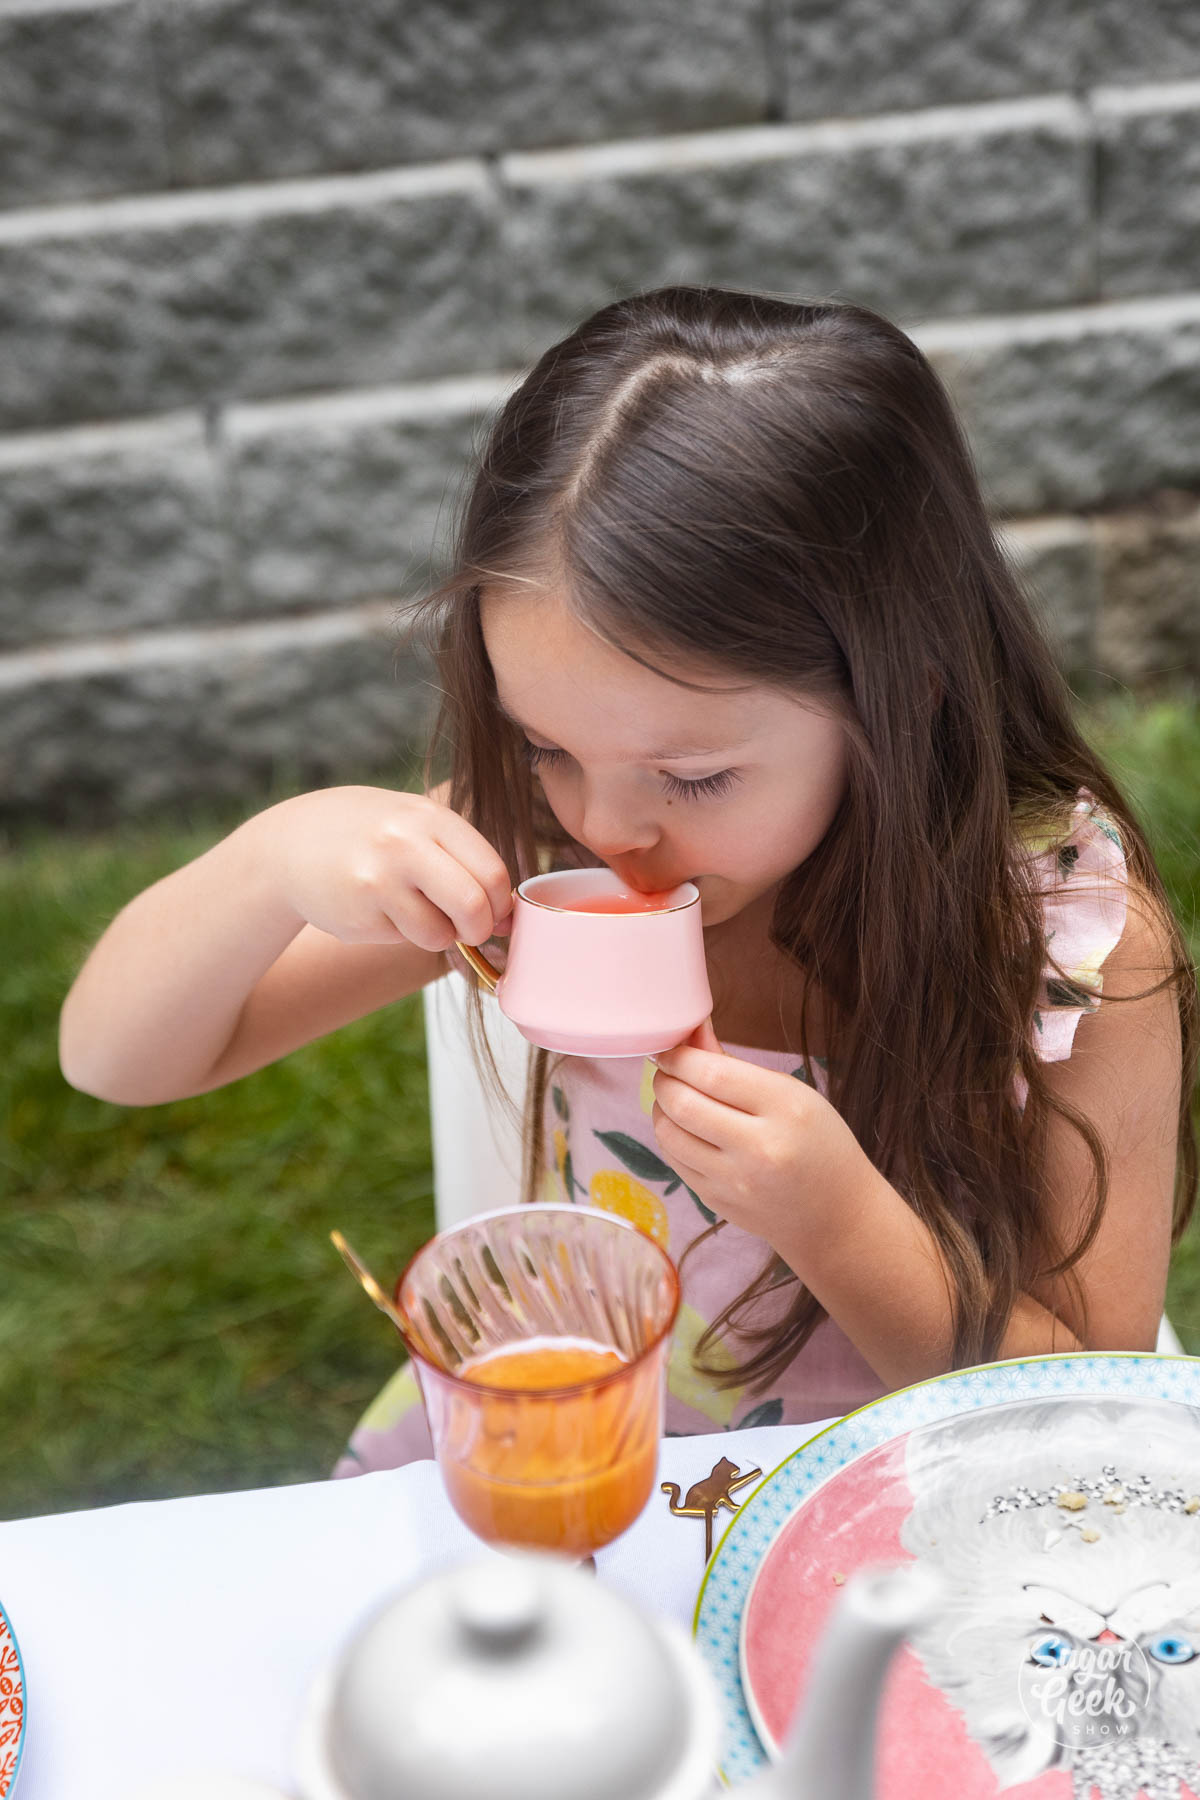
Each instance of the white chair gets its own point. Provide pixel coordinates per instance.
(1168, 1343)
(476, 1149)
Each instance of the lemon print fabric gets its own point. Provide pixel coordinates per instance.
(562, 1159)
(550, 1192)
(617, 1192)
(686, 1382)
(646, 1091)
(621, 1190)
(396, 1398)
(559, 1183)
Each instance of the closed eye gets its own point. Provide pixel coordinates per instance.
(711, 786)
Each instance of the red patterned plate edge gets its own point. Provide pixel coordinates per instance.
(12, 1707)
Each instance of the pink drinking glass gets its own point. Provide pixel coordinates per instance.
(566, 1468)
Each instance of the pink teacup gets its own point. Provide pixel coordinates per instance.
(598, 982)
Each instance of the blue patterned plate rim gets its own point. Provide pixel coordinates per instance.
(7, 1623)
(717, 1621)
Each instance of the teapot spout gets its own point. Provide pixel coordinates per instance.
(830, 1752)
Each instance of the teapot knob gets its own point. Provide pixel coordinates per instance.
(497, 1605)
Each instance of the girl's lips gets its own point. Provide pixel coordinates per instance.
(638, 881)
(642, 886)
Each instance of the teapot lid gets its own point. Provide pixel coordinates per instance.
(517, 1678)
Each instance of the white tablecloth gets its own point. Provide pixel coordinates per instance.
(182, 1636)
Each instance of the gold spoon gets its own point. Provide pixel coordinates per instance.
(368, 1282)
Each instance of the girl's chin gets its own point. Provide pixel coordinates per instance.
(717, 905)
(726, 901)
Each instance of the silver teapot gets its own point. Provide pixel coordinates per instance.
(521, 1678)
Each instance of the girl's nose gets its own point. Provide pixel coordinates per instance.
(611, 829)
(612, 843)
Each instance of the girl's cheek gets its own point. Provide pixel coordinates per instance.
(560, 806)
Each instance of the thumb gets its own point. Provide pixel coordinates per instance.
(705, 1038)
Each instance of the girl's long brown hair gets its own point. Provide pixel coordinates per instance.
(782, 491)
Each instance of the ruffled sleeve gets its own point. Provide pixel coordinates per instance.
(1083, 879)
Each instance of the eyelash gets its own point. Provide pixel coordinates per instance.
(709, 787)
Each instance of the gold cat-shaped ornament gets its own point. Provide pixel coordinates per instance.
(704, 1498)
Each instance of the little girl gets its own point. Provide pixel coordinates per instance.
(726, 608)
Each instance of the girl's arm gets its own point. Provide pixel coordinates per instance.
(1124, 1074)
(311, 914)
(775, 1158)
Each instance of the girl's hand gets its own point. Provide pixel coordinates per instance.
(761, 1149)
(371, 866)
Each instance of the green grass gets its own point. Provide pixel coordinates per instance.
(173, 1318)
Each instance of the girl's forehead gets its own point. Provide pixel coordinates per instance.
(548, 662)
(561, 681)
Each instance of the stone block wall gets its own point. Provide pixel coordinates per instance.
(266, 266)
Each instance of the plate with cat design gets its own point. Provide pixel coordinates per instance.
(12, 1707)
(1058, 1500)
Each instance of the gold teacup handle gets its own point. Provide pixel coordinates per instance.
(489, 976)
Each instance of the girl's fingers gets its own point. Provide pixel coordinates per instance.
(705, 1038)
(472, 852)
(692, 1159)
(461, 901)
(707, 1121)
(422, 923)
(725, 1078)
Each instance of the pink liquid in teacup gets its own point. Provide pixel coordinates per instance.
(620, 903)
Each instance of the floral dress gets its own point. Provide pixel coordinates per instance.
(601, 1151)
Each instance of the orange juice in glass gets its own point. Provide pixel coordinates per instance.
(539, 1335)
